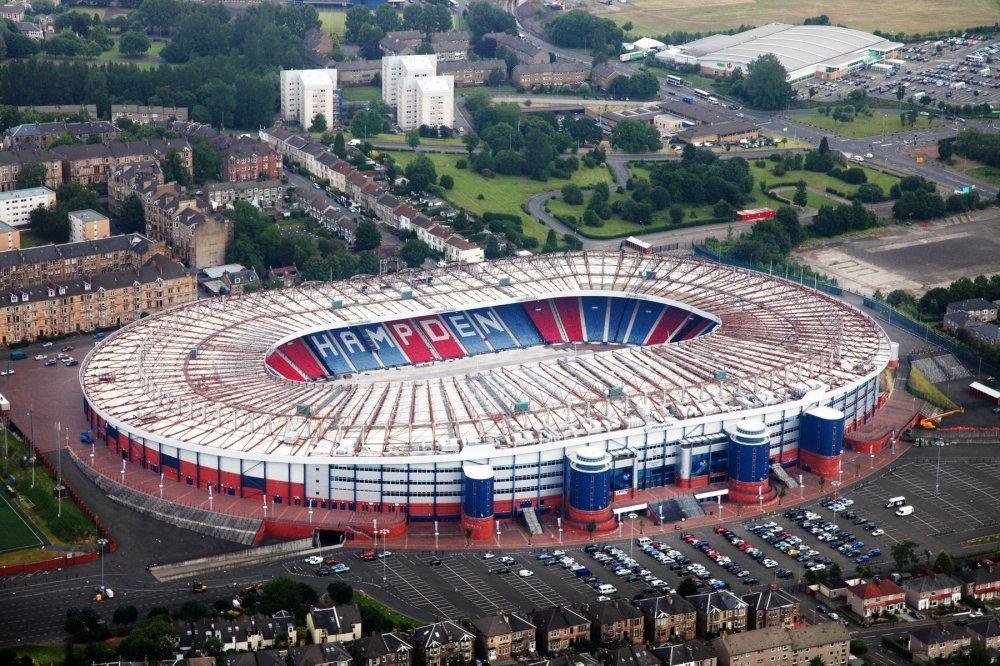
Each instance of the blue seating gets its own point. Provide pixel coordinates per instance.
(491, 325)
(616, 311)
(517, 322)
(645, 318)
(595, 317)
(690, 328)
(354, 348)
(326, 349)
(467, 333)
(619, 327)
(378, 339)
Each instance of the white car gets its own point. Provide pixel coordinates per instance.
(40, 357)
(769, 563)
(604, 597)
(558, 553)
(46, 344)
(488, 556)
(833, 616)
(525, 573)
(878, 532)
(314, 559)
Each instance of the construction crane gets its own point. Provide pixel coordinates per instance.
(931, 422)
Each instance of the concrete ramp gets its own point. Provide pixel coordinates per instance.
(780, 473)
(192, 569)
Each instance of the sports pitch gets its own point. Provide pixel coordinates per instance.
(656, 17)
(16, 530)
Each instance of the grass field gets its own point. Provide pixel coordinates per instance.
(862, 126)
(502, 194)
(42, 655)
(114, 54)
(987, 173)
(361, 93)
(16, 530)
(333, 21)
(820, 181)
(29, 239)
(655, 17)
(401, 139)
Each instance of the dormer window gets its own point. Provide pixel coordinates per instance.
(24, 296)
(62, 291)
(52, 292)
(14, 298)
(86, 285)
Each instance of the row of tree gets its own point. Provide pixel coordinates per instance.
(366, 28)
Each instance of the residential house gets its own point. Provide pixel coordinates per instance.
(472, 72)
(548, 75)
(451, 45)
(323, 654)
(146, 115)
(246, 159)
(10, 237)
(559, 627)
(877, 596)
(631, 655)
(256, 658)
(772, 607)
(720, 611)
(938, 641)
(42, 135)
(31, 30)
(381, 650)
(985, 632)
(689, 653)
(358, 72)
(525, 51)
(603, 75)
(982, 583)
(90, 164)
(668, 617)
(954, 321)
(830, 641)
(87, 225)
(12, 161)
(616, 621)
(987, 333)
(16, 205)
(443, 643)
(978, 308)
(237, 282)
(504, 638)
(12, 12)
(140, 178)
(932, 591)
(286, 275)
(335, 624)
(261, 193)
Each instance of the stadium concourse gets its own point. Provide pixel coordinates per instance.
(542, 387)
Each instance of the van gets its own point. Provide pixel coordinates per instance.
(643, 541)
(582, 572)
(607, 589)
(904, 511)
(893, 502)
(18, 356)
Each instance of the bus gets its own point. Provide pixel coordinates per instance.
(701, 93)
(674, 80)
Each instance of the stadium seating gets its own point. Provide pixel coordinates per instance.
(590, 319)
(298, 353)
(544, 318)
(595, 316)
(568, 308)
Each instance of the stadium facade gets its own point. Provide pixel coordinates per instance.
(805, 51)
(472, 392)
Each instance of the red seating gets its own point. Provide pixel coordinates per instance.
(280, 364)
(545, 320)
(572, 321)
(694, 330)
(299, 354)
(404, 332)
(665, 327)
(438, 334)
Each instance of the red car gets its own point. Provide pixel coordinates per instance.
(720, 530)
(330, 560)
(367, 555)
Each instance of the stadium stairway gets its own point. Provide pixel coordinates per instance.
(531, 521)
(780, 474)
(239, 529)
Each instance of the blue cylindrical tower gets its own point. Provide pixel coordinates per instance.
(821, 441)
(477, 500)
(589, 487)
(749, 461)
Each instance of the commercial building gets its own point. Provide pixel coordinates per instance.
(877, 596)
(88, 225)
(16, 205)
(554, 74)
(777, 645)
(396, 69)
(926, 592)
(145, 115)
(731, 132)
(668, 125)
(307, 93)
(92, 302)
(805, 51)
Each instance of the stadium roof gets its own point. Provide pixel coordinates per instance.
(796, 46)
(195, 375)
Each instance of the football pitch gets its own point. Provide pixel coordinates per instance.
(16, 530)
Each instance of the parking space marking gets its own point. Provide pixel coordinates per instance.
(419, 593)
(536, 591)
(465, 582)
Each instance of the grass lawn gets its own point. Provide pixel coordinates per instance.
(29, 239)
(502, 194)
(615, 227)
(652, 17)
(818, 200)
(361, 93)
(73, 527)
(43, 655)
(499, 90)
(114, 54)
(16, 530)
(987, 173)
(862, 126)
(401, 139)
(369, 606)
(820, 181)
(333, 20)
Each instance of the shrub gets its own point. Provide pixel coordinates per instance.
(461, 164)
(447, 182)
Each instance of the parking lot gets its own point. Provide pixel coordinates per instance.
(954, 71)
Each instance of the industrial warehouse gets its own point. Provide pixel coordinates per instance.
(805, 51)
(548, 384)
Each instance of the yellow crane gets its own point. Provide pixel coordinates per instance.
(931, 422)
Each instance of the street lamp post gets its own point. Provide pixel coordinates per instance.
(31, 423)
(161, 485)
(310, 511)
(101, 543)
(209, 497)
(559, 527)
(938, 442)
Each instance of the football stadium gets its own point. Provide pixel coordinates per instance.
(548, 384)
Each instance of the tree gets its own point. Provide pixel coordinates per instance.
(339, 145)
(483, 17)
(800, 198)
(447, 182)
(133, 43)
(125, 614)
(366, 123)
(369, 264)
(551, 242)
(318, 123)
(340, 592)
(204, 160)
(817, 661)
(765, 86)
(633, 136)
(572, 194)
(591, 528)
(904, 554)
(213, 646)
(367, 237)
(174, 169)
(132, 218)
(151, 641)
(414, 252)
(31, 175)
(283, 593)
(687, 587)
(413, 138)
(471, 141)
(676, 214)
(421, 173)
(943, 563)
